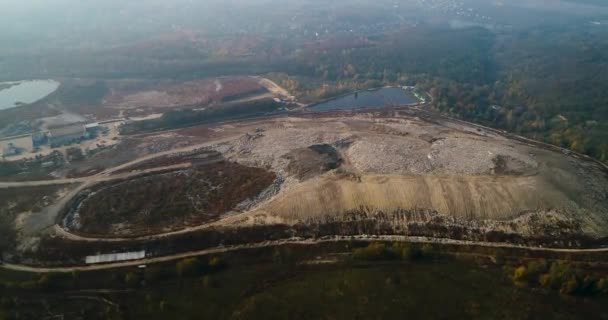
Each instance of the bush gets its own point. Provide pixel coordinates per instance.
(569, 287)
(282, 255)
(406, 251)
(375, 251)
(535, 269)
(429, 250)
(557, 275)
(164, 305)
(499, 256)
(398, 250)
(519, 274)
(206, 281)
(188, 267)
(132, 280)
(156, 273)
(602, 286)
(54, 281)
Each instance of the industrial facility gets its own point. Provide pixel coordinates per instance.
(55, 137)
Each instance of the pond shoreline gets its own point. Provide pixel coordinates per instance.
(314, 105)
(14, 94)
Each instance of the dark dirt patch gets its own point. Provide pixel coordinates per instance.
(168, 201)
(505, 165)
(314, 160)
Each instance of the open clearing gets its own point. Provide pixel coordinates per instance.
(139, 101)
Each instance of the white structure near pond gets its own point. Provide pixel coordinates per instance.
(115, 257)
(14, 94)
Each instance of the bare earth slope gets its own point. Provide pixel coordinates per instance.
(408, 172)
(400, 173)
(364, 174)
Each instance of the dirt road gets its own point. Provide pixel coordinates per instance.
(48, 216)
(105, 175)
(273, 87)
(298, 241)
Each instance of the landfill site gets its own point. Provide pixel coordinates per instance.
(403, 172)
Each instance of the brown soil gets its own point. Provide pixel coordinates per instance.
(170, 201)
(194, 93)
(309, 162)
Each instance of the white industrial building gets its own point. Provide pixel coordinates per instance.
(115, 257)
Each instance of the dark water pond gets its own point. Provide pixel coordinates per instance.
(368, 99)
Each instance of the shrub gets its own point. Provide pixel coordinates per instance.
(374, 251)
(569, 287)
(588, 285)
(132, 279)
(602, 286)
(206, 281)
(406, 251)
(534, 270)
(54, 281)
(559, 276)
(216, 263)
(188, 267)
(499, 256)
(155, 273)
(532, 273)
(519, 274)
(164, 305)
(282, 255)
(556, 276)
(428, 250)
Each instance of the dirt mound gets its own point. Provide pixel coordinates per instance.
(193, 93)
(473, 198)
(312, 161)
(167, 201)
(451, 168)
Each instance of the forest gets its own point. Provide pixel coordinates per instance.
(539, 72)
(548, 84)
